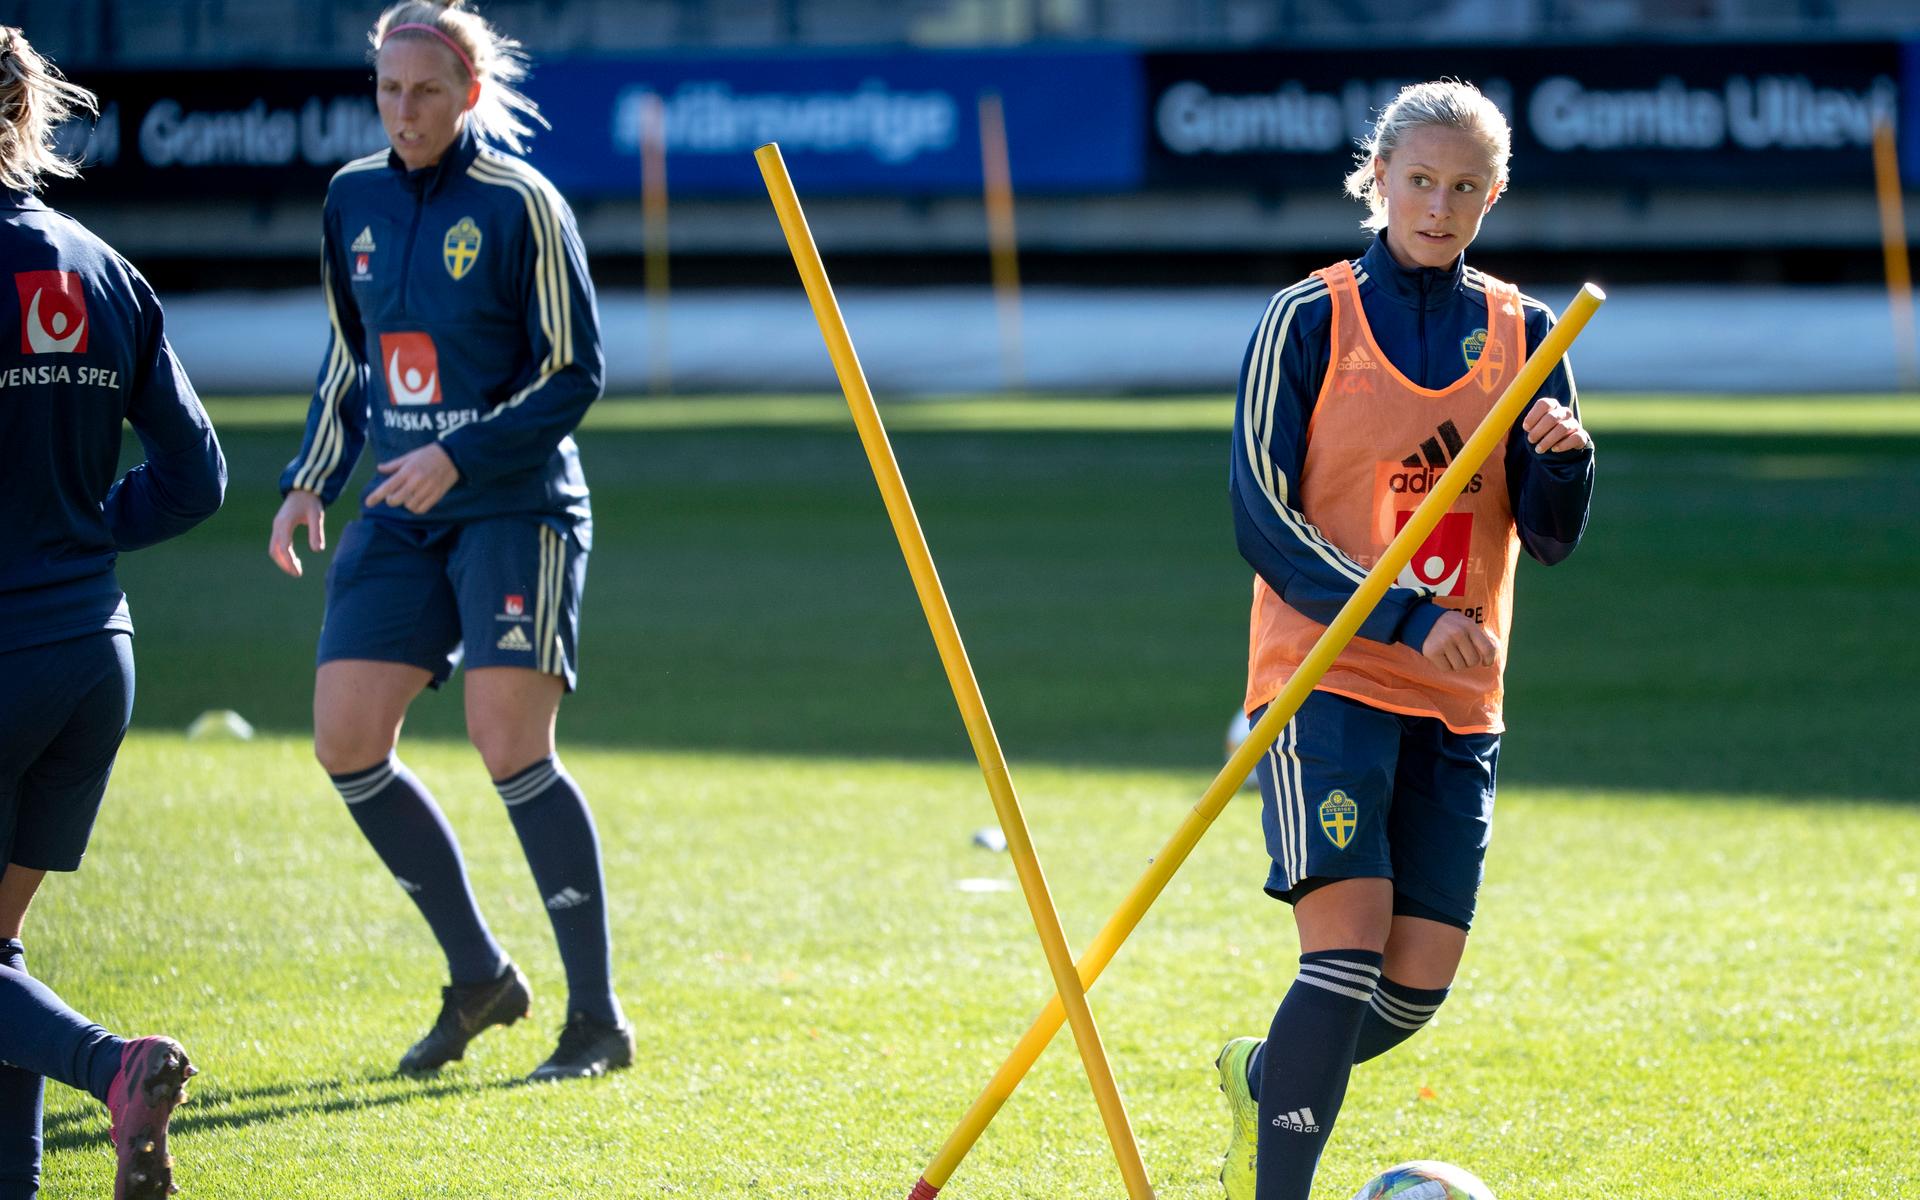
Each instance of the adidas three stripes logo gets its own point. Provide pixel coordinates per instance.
(1433, 453)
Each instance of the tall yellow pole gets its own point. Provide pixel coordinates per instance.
(653, 220)
(1893, 242)
(996, 173)
(1107, 942)
(953, 656)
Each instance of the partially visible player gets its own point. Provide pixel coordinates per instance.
(465, 345)
(83, 349)
(1359, 388)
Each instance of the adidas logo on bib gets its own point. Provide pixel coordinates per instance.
(514, 638)
(1437, 452)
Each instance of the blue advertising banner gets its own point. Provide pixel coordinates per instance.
(1909, 123)
(898, 124)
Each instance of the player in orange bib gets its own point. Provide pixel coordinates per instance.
(1361, 384)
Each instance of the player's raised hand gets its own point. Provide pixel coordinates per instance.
(301, 507)
(1551, 426)
(416, 480)
(1457, 642)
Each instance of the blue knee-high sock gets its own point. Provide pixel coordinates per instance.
(556, 831)
(1396, 1013)
(411, 835)
(1304, 1070)
(20, 1092)
(41, 1035)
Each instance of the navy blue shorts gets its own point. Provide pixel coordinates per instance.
(1353, 792)
(499, 592)
(64, 710)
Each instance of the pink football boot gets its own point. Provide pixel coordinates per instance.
(152, 1081)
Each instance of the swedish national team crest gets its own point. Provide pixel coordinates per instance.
(1339, 817)
(461, 247)
(1472, 345)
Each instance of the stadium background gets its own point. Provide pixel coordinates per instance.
(1173, 163)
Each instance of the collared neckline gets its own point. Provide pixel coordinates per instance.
(1416, 287)
(459, 156)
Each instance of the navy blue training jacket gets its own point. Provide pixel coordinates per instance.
(1424, 319)
(459, 309)
(83, 348)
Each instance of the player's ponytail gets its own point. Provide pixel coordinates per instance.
(1447, 103)
(35, 100)
(487, 57)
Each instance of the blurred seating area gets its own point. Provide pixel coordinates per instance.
(229, 32)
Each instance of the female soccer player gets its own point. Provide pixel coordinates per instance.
(465, 344)
(90, 351)
(1361, 383)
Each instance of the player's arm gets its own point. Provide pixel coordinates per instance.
(336, 420)
(184, 477)
(1280, 377)
(1550, 460)
(563, 332)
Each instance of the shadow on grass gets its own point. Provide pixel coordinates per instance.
(211, 1107)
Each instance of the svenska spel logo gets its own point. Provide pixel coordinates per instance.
(412, 368)
(1441, 561)
(515, 605)
(53, 312)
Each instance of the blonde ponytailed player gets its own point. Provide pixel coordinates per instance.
(464, 345)
(1360, 384)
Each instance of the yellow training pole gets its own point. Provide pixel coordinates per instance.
(1893, 241)
(996, 174)
(653, 221)
(953, 656)
(1399, 552)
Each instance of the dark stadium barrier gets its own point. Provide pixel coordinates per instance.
(1716, 116)
(1096, 121)
(246, 133)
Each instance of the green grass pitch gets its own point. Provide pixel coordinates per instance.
(1693, 973)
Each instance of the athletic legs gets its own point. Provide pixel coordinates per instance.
(358, 708)
(510, 717)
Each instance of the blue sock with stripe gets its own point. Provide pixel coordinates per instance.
(1396, 1013)
(20, 1095)
(1305, 1064)
(556, 831)
(411, 835)
(41, 1036)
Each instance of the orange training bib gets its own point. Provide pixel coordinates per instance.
(1376, 443)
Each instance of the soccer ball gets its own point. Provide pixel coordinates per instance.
(1237, 730)
(1424, 1181)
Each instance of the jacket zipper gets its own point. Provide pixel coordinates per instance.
(1420, 328)
(406, 259)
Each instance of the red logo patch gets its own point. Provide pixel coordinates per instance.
(412, 368)
(53, 312)
(516, 605)
(1441, 561)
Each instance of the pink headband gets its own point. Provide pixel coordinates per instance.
(451, 44)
